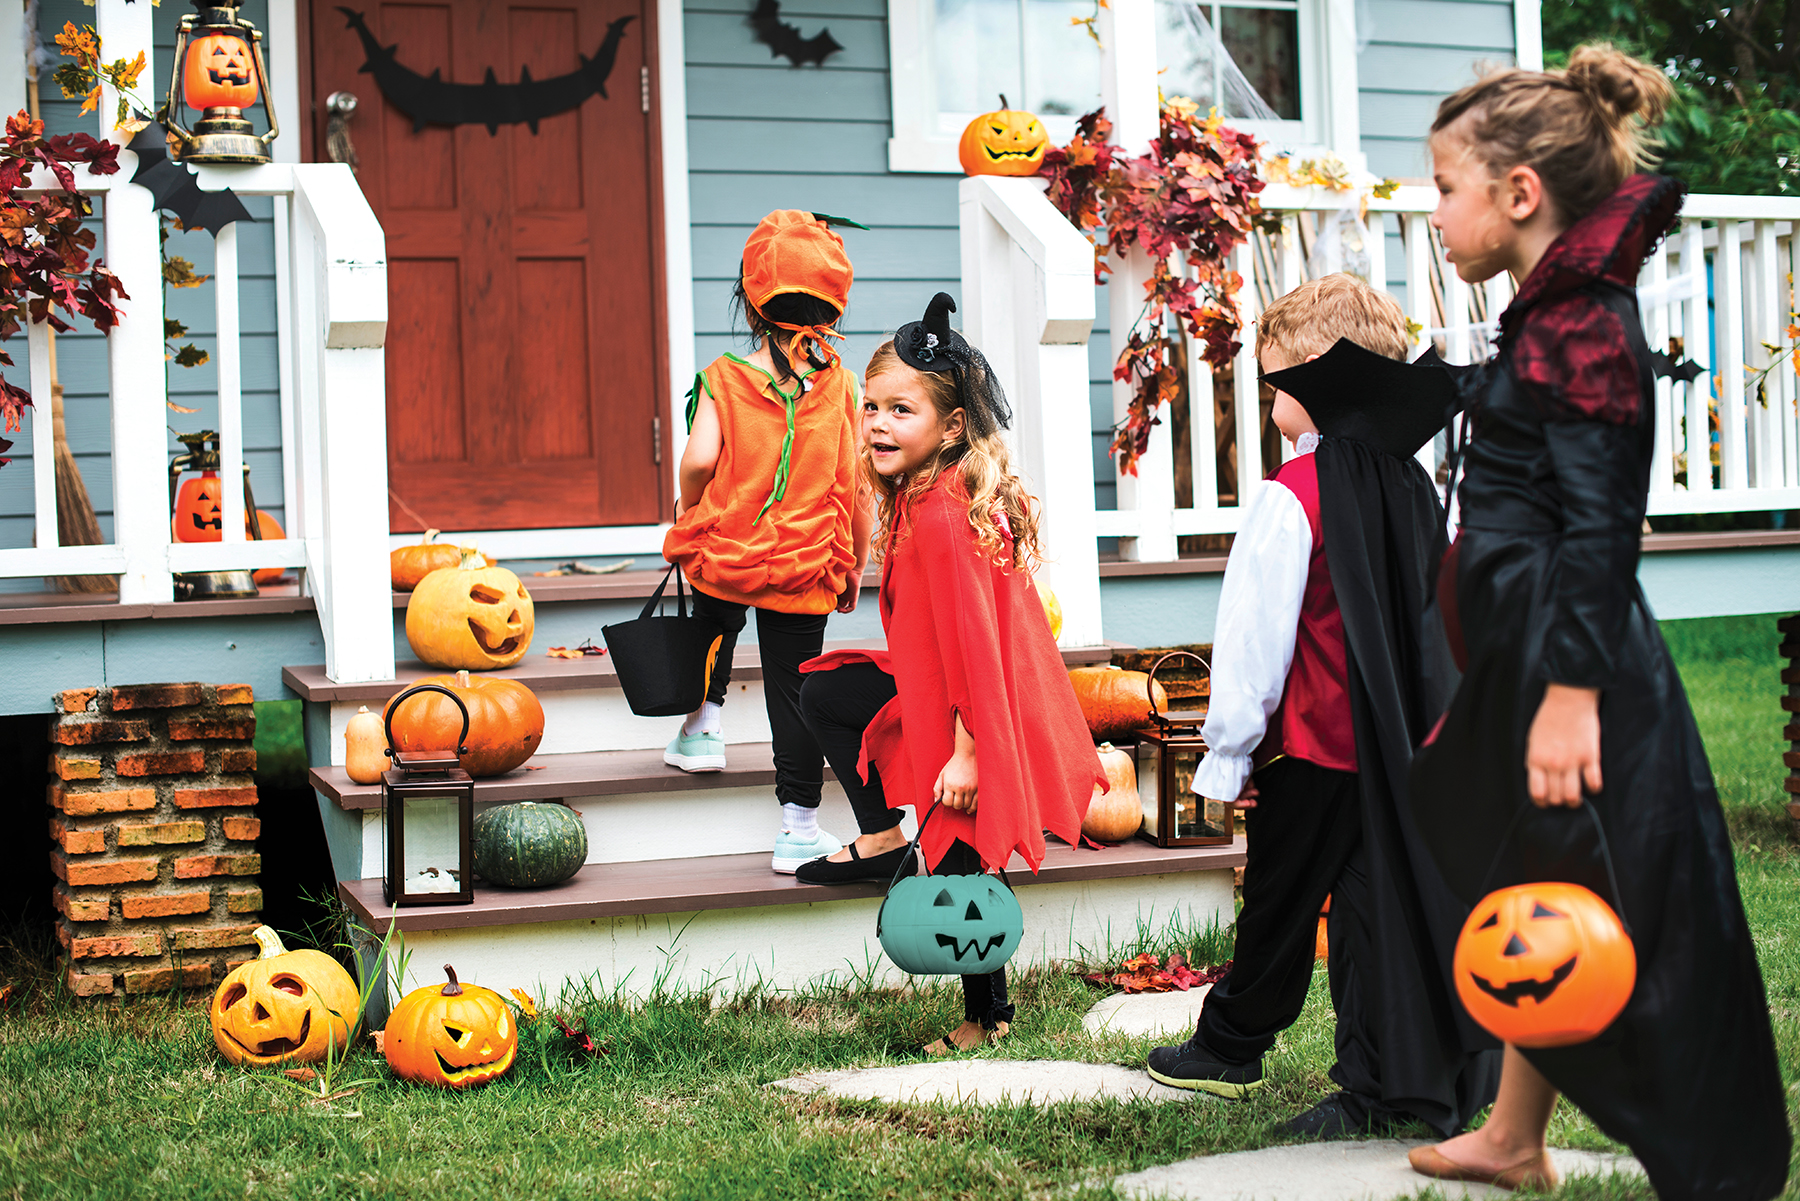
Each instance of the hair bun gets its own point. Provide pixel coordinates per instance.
(1622, 86)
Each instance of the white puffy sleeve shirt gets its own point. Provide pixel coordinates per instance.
(1253, 640)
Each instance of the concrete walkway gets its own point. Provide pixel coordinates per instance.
(1355, 1171)
(988, 1082)
(1169, 1015)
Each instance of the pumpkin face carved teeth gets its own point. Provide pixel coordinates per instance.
(974, 944)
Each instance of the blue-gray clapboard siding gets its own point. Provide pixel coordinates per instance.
(81, 356)
(1418, 52)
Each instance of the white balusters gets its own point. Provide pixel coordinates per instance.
(1697, 331)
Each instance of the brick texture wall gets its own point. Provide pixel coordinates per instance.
(153, 829)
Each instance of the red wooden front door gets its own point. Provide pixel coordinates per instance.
(523, 358)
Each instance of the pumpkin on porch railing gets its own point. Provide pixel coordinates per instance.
(218, 73)
(470, 616)
(1115, 701)
(1003, 142)
(284, 1006)
(452, 1035)
(506, 721)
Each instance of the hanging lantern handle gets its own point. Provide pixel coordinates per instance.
(387, 722)
(1150, 685)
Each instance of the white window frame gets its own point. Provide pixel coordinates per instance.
(1328, 90)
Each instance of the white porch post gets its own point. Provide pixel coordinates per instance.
(139, 396)
(1128, 89)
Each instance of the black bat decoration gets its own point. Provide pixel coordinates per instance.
(784, 39)
(431, 101)
(174, 187)
(1537, 990)
(1669, 367)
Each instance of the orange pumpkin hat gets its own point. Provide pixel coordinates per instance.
(795, 251)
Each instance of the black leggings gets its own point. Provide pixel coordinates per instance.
(838, 706)
(785, 641)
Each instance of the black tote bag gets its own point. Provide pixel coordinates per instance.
(664, 663)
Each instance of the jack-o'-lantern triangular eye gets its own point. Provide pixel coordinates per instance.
(971, 914)
(943, 898)
(1493, 919)
(1515, 946)
(1539, 909)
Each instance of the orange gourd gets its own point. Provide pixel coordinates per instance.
(219, 73)
(452, 1035)
(506, 721)
(1544, 965)
(1114, 815)
(1115, 701)
(470, 616)
(364, 743)
(284, 1007)
(271, 532)
(1003, 142)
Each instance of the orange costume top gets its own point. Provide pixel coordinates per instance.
(772, 527)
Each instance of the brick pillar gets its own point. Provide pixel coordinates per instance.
(153, 820)
(1790, 675)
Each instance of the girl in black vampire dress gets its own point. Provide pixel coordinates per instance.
(1569, 697)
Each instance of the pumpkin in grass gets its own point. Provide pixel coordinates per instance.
(529, 845)
(1003, 142)
(1114, 815)
(407, 565)
(284, 1007)
(470, 616)
(452, 1035)
(506, 721)
(1115, 701)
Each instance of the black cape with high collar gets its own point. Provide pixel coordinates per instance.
(1542, 586)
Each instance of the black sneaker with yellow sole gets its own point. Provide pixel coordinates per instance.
(1191, 1065)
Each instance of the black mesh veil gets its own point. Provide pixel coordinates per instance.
(929, 344)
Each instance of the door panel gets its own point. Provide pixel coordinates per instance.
(522, 353)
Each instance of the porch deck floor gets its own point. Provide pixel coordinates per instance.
(738, 882)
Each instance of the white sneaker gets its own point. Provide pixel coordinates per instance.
(791, 850)
(696, 752)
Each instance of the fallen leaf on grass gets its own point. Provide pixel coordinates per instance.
(6, 994)
(527, 1006)
(1145, 973)
(380, 1037)
(303, 1075)
(580, 1037)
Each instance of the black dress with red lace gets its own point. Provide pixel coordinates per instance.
(1541, 587)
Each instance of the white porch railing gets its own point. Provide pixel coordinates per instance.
(331, 276)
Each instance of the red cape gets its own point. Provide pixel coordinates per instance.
(968, 637)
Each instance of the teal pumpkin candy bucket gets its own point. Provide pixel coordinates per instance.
(948, 925)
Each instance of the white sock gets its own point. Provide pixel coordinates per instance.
(709, 719)
(798, 819)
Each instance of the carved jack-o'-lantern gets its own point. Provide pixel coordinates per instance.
(950, 925)
(198, 517)
(284, 1007)
(1544, 965)
(452, 1035)
(473, 616)
(1003, 142)
(218, 73)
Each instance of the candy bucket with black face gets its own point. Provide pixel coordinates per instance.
(948, 925)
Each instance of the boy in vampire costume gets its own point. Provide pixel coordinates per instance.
(1325, 679)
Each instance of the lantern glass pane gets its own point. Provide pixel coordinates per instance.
(1181, 765)
(430, 857)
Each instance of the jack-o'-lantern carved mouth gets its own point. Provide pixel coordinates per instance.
(1538, 990)
(482, 594)
(1000, 156)
(272, 1047)
(228, 75)
(974, 944)
(472, 1071)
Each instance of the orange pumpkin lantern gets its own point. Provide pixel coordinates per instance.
(1003, 142)
(452, 1035)
(219, 73)
(198, 517)
(1115, 701)
(284, 1006)
(1544, 965)
(1116, 814)
(471, 616)
(506, 721)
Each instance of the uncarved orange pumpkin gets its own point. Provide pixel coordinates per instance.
(410, 564)
(1544, 965)
(284, 1006)
(506, 721)
(218, 73)
(1114, 815)
(470, 616)
(1115, 701)
(1003, 142)
(452, 1035)
(271, 532)
(364, 742)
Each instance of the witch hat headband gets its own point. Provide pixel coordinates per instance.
(1389, 404)
(929, 344)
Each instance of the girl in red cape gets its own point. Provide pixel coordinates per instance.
(970, 704)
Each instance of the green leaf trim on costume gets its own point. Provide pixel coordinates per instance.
(693, 398)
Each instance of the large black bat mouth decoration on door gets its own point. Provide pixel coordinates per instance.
(431, 101)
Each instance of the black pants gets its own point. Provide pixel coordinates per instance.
(1305, 844)
(785, 641)
(838, 706)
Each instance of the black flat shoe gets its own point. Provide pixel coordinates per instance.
(877, 869)
(1340, 1115)
(1192, 1065)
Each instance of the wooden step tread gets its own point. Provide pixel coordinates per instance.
(737, 882)
(543, 674)
(586, 773)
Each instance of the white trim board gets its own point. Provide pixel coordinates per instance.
(1528, 34)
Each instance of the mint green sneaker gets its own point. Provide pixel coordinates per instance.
(696, 752)
(792, 850)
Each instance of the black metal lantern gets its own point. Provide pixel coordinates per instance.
(428, 819)
(1168, 753)
(219, 72)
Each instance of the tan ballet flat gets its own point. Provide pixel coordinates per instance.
(1536, 1173)
(944, 1046)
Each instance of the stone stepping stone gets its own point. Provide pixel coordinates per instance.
(988, 1082)
(1147, 1015)
(1351, 1171)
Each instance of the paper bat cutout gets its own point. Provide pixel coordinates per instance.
(1668, 366)
(175, 188)
(431, 101)
(1537, 990)
(784, 39)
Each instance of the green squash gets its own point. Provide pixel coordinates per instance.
(529, 845)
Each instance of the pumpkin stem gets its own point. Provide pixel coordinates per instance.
(452, 989)
(1003, 103)
(1106, 748)
(472, 558)
(269, 941)
(462, 679)
(429, 535)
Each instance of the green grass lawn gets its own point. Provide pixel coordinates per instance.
(135, 1101)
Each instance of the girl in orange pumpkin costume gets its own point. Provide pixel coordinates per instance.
(771, 515)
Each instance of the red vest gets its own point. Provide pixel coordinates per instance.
(1312, 722)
